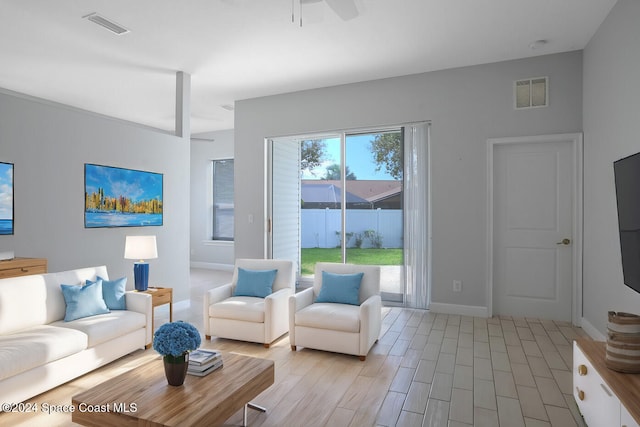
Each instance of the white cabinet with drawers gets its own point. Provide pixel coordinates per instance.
(605, 397)
(626, 420)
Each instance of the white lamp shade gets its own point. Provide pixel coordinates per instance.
(140, 247)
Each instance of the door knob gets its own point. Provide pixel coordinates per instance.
(564, 242)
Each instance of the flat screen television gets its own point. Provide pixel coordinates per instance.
(627, 177)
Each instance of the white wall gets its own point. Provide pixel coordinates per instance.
(611, 119)
(49, 144)
(466, 106)
(205, 148)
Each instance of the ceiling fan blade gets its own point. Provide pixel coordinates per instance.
(345, 9)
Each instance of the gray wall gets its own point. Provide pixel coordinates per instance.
(611, 120)
(49, 144)
(466, 106)
(205, 148)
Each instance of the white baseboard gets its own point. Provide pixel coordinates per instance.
(462, 310)
(591, 330)
(211, 266)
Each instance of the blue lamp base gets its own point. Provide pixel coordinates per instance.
(141, 276)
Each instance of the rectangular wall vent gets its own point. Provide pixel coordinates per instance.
(531, 93)
(107, 23)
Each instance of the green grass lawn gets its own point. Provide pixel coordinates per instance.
(310, 256)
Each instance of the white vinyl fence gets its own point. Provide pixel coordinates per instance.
(321, 227)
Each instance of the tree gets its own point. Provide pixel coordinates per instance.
(387, 151)
(311, 153)
(333, 173)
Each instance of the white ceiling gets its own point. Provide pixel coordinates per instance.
(239, 49)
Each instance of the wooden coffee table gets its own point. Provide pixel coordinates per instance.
(143, 397)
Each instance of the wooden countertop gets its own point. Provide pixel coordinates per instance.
(625, 386)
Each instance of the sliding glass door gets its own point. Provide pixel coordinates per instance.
(340, 198)
(373, 222)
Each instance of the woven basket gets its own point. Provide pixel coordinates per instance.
(623, 342)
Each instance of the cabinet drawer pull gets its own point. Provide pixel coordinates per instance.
(582, 370)
(606, 390)
(580, 394)
(24, 270)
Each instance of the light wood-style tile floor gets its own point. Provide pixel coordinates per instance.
(426, 370)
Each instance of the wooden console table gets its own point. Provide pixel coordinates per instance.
(22, 267)
(605, 397)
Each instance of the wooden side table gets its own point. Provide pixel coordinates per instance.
(160, 296)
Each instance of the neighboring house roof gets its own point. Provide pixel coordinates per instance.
(369, 190)
(327, 193)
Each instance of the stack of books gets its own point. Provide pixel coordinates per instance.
(203, 362)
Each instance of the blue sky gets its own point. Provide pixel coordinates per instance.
(136, 185)
(6, 191)
(359, 159)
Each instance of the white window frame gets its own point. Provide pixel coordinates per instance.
(212, 209)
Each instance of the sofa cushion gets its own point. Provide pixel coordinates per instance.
(254, 283)
(250, 309)
(55, 305)
(29, 348)
(83, 301)
(105, 327)
(335, 317)
(24, 301)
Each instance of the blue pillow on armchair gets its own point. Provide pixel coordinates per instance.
(340, 288)
(254, 283)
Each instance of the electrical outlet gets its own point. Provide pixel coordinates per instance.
(457, 286)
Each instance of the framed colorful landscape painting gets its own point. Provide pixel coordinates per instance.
(6, 198)
(118, 197)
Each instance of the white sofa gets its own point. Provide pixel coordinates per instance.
(250, 318)
(39, 350)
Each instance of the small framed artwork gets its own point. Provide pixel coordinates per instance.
(6, 198)
(118, 197)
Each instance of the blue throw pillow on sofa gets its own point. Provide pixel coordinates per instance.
(83, 301)
(340, 288)
(113, 293)
(254, 283)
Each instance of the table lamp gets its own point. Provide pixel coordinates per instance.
(140, 248)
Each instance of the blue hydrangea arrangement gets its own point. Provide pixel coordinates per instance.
(176, 338)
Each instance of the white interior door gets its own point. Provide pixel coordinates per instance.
(533, 229)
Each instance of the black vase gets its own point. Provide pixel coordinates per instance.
(175, 368)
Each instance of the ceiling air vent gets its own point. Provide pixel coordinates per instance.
(531, 93)
(107, 23)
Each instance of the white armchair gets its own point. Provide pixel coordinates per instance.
(251, 318)
(337, 327)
